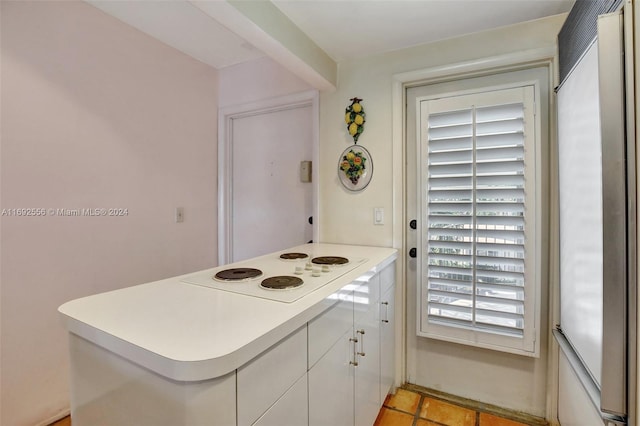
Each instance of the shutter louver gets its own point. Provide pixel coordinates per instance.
(475, 238)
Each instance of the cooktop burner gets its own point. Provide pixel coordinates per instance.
(291, 279)
(238, 274)
(330, 260)
(281, 282)
(293, 256)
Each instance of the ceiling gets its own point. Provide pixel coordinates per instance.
(182, 26)
(350, 29)
(344, 29)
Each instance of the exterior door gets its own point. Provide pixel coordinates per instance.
(420, 349)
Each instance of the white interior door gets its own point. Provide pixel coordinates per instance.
(269, 203)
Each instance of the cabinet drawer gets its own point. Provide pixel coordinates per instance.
(290, 410)
(265, 379)
(387, 277)
(327, 328)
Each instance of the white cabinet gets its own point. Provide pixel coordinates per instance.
(233, 360)
(327, 328)
(351, 353)
(109, 390)
(331, 354)
(265, 379)
(290, 409)
(331, 385)
(367, 334)
(387, 330)
(387, 342)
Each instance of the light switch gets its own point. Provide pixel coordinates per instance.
(378, 216)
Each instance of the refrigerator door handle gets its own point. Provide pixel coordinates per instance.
(613, 393)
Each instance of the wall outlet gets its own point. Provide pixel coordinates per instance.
(179, 214)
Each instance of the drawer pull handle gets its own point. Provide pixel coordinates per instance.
(386, 312)
(361, 332)
(355, 354)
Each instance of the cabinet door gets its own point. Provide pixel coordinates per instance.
(387, 342)
(367, 381)
(327, 328)
(262, 381)
(290, 410)
(331, 386)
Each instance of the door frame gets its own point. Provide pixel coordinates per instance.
(546, 56)
(226, 115)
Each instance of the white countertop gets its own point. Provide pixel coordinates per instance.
(188, 332)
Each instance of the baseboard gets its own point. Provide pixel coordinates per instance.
(59, 416)
(479, 406)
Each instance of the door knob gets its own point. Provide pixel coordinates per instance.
(413, 252)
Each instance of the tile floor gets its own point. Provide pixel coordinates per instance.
(415, 408)
(62, 422)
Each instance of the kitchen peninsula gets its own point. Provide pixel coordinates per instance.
(198, 349)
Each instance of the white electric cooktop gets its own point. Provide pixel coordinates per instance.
(313, 276)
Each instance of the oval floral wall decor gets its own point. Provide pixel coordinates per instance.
(355, 168)
(354, 116)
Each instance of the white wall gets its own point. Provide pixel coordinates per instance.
(94, 115)
(257, 80)
(251, 97)
(507, 380)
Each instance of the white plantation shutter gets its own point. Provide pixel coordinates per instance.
(477, 162)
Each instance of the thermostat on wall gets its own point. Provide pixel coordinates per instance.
(305, 171)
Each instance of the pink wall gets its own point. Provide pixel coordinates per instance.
(94, 114)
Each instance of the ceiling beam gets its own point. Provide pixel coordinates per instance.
(264, 26)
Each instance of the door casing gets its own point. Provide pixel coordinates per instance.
(225, 140)
(541, 57)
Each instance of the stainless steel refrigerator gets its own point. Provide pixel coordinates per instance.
(596, 168)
